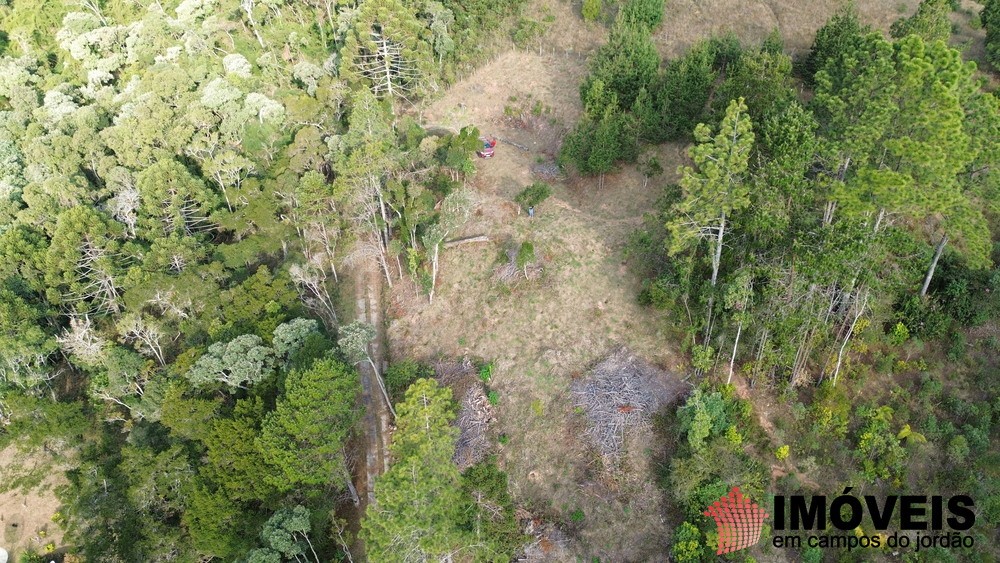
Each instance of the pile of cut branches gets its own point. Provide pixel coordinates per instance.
(516, 269)
(618, 397)
(474, 418)
(475, 413)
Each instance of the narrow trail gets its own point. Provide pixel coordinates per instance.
(367, 294)
(778, 468)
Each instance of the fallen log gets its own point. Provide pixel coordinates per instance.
(513, 144)
(466, 240)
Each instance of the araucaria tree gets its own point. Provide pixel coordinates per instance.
(386, 50)
(714, 190)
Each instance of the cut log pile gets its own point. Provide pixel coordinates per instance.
(509, 273)
(474, 418)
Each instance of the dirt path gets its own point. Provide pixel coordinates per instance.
(367, 294)
(762, 409)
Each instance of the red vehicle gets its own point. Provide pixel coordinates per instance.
(488, 146)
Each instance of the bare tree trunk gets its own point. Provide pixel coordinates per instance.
(732, 359)
(350, 483)
(761, 344)
(933, 266)
(716, 261)
(381, 386)
(385, 266)
(858, 313)
(339, 527)
(313, 550)
(801, 356)
(831, 207)
(434, 270)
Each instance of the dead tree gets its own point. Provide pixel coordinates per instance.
(391, 74)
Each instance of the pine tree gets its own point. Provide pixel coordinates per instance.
(677, 100)
(626, 64)
(930, 22)
(648, 13)
(990, 17)
(419, 504)
(839, 35)
(713, 190)
(305, 436)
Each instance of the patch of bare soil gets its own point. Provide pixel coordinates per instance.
(27, 500)
(689, 21)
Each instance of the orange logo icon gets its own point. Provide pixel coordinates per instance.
(739, 521)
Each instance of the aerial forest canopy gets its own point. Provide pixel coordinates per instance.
(185, 185)
(181, 183)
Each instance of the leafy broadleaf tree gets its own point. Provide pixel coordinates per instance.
(287, 535)
(233, 454)
(455, 210)
(238, 364)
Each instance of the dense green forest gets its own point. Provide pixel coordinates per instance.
(181, 182)
(185, 184)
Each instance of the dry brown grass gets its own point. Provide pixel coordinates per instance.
(28, 501)
(688, 21)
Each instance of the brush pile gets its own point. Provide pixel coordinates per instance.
(619, 397)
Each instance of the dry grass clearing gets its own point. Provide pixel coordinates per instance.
(541, 335)
(28, 501)
(544, 333)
